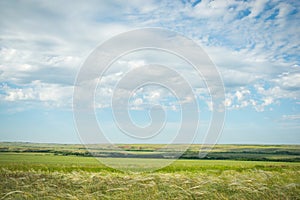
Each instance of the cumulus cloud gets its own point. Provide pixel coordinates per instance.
(38, 93)
(255, 45)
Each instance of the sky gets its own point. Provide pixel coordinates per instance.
(254, 45)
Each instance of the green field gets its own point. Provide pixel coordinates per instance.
(52, 175)
(290, 153)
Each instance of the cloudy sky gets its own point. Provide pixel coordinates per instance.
(254, 44)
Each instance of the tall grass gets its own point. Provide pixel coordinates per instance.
(229, 184)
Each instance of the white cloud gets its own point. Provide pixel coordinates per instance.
(291, 117)
(7, 54)
(210, 9)
(38, 92)
(46, 41)
(257, 7)
(289, 80)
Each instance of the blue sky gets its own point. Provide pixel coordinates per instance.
(254, 44)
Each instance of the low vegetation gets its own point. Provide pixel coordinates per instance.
(50, 175)
(287, 153)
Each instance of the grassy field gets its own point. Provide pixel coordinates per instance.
(44, 175)
(290, 153)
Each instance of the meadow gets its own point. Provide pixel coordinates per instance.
(39, 171)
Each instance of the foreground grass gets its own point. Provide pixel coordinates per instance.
(46, 176)
(230, 184)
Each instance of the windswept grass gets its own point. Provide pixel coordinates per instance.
(229, 184)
